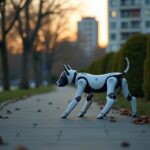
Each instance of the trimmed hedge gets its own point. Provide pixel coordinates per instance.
(146, 84)
(135, 50)
(112, 63)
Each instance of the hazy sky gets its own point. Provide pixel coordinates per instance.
(93, 8)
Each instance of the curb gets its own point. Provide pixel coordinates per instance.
(2, 105)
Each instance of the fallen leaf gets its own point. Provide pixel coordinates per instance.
(125, 112)
(21, 147)
(35, 124)
(1, 141)
(17, 108)
(39, 110)
(112, 119)
(9, 112)
(50, 103)
(38, 100)
(125, 144)
(142, 120)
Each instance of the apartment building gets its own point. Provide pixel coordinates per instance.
(126, 17)
(88, 34)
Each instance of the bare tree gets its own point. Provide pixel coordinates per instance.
(29, 27)
(52, 37)
(7, 23)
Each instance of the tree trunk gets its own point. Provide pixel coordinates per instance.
(49, 64)
(37, 68)
(5, 67)
(24, 70)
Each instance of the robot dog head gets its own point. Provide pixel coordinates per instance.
(66, 76)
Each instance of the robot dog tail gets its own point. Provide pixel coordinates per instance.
(127, 68)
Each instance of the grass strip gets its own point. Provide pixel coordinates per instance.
(18, 94)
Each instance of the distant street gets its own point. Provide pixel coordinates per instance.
(35, 124)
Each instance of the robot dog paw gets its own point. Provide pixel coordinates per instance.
(81, 115)
(64, 116)
(134, 115)
(100, 117)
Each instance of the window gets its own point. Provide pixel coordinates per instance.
(135, 24)
(113, 36)
(130, 2)
(147, 12)
(123, 2)
(127, 2)
(124, 25)
(147, 24)
(113, 3)
(125, 13)
(113, 25)
(147, 2)
(137, 2)
(113, 13)
(135, 13)
(125, 36)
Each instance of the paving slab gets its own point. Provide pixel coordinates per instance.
(35, 124)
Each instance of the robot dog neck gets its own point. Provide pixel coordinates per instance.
(74, 77)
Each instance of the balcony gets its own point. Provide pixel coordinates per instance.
(129, 7)
(125, 35)
(130, 4)
(134, 13)
(130, 26)
(130, 30)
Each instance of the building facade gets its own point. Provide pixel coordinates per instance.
(88, 34)
(126, 17)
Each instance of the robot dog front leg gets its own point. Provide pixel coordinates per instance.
(111, 98)
(86, 105)
(80, 88)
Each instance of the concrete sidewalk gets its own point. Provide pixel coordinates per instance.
(35, 123)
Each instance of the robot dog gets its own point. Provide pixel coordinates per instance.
(90, 84)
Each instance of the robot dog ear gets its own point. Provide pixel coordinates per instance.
(66, 69)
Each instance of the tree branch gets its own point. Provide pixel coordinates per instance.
(3, 16)
(17, 9)
(20, 27)
(38, 24)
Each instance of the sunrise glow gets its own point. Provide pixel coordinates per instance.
(103, 22)
(97, 9)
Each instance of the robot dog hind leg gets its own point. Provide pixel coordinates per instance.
(129, 97)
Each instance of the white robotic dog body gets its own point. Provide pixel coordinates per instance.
(90, 84)
(96, 83)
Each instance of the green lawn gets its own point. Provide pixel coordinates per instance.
(143, 106)
(19, 94)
